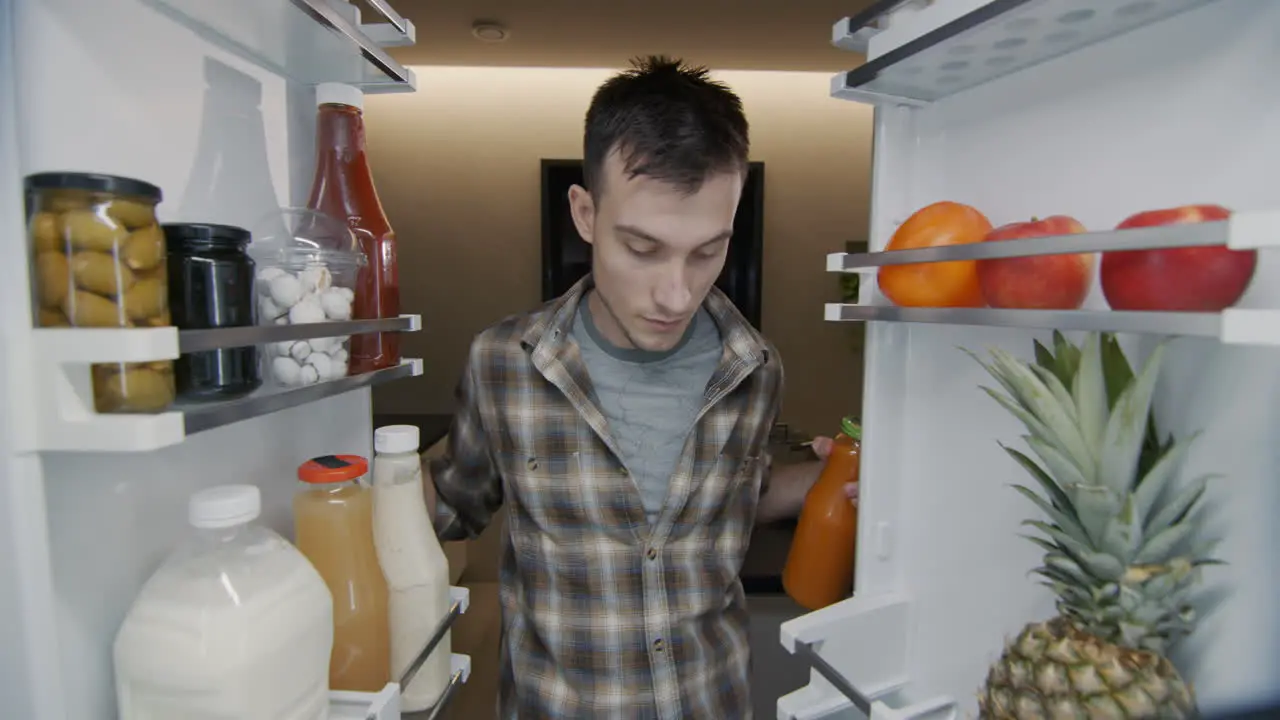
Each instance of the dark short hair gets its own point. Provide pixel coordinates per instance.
(668, 121)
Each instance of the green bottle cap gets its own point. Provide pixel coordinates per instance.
(851, 427)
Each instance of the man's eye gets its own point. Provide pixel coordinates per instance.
(645, 252)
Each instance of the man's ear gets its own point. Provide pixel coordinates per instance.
(583, 208)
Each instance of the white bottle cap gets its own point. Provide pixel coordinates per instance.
(339, 93)
(224, 506)
(393, 439)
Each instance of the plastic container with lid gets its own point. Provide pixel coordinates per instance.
(819, 568)
(98, 260)
(413, 563)
(333, 527)
(234, 625)
(307, 265)
(211, 286)
(343, 188)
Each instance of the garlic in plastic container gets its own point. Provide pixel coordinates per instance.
(307, 266)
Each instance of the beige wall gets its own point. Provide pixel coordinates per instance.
(457, 167)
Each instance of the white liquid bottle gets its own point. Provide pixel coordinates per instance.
(413, 562)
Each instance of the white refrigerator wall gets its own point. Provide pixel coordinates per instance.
(1186, 111)
(114, 86)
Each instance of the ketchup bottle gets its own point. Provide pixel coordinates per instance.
(343, 189)
(819, 569)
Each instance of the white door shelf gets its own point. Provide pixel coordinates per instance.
(1234, 326)
(1242, 231)
(867, 637)
(385, 704)
(917, 55)
(309, 41)
(64, 397)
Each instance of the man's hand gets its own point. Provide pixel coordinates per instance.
(822, 448)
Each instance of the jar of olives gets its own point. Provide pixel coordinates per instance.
(98, 261)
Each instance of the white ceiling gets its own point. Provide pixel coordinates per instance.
(722, 34)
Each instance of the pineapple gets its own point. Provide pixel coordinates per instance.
(1118, 542)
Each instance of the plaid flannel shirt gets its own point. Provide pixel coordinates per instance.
(605, 616)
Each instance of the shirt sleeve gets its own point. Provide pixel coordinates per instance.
(468, 485)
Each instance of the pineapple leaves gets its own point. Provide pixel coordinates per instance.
(1058, 465)
(1123, 534)
(1089, 394)
(1152, 486)
(1056, 493)
(1064, 521)
(1095, 505)
(1162, 544)
(1123, 438)
(1040, 400)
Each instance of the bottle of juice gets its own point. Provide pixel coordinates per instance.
(343, 189)
(819, 569)
(333, 524)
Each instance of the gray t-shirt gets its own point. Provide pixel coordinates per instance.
(650, 399)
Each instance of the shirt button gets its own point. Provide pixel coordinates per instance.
(531, 463)
(658, 645)
(652, 554)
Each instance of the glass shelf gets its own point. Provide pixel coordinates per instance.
(309, 41)
(995, 39)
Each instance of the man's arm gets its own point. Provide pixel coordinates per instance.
(787, 488)
(463, 489)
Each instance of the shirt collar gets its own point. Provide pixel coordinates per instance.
(550, 330)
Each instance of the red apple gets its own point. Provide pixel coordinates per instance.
(1192, 279)
(1039, 282)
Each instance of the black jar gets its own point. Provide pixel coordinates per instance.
(211, 286)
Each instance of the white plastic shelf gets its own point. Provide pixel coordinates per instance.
(1242, 231)
(385, 704)
(867, 637)
(922, 52)
(68, 422)
(1234, 326)
(309, 41)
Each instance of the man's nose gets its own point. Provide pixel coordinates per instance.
(673, 295)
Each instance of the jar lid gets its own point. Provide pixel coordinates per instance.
(394, 439)
(332, 469)
(93, 182)
(230, 237)
(332, 93)
(224, 506)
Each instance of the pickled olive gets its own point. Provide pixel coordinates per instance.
(146, 299)
(144, 248)
(137, 388)
(66, 200)
(52, 318)
(86, 230)
(132, 214)
(52, 279)
(44, 232)
(100, 273)
(86, 309)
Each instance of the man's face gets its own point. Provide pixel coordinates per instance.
(656, 251)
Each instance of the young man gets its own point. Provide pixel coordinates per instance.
(625, 427)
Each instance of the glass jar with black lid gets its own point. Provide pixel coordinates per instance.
(211, 286)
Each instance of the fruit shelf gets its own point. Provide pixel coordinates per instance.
(920, 52)
(385, 704)
(308, 41)
(1243, 230)
(64, 396)
(875, 665)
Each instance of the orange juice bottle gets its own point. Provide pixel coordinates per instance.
(333, 524)
(819, 569)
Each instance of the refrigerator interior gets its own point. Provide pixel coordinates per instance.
(119, 87)
(1182, 111)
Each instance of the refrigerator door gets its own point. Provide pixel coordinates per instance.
(140, 89)
(1179, 111)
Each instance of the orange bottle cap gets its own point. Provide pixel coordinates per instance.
(332, 469)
